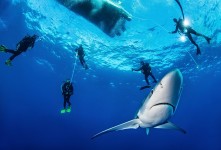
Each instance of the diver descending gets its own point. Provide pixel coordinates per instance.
(81, 54)
(182, 28)
(106, 15)
(146, 70)
(22, 46)
(67, 90)
(187, 31)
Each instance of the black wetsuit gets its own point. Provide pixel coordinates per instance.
(81, 54)
(22, 46)
(67, 91)
(146, 70)
(188, 31)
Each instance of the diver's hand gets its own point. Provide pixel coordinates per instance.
(172, 32)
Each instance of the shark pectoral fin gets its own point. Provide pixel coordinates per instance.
(170, 125)
(147, 131)
(132, 124)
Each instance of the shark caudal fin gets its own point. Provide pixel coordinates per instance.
(132, 124)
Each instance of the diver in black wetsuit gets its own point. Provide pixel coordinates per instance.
(187, 31)
(67, 90)
(81, 54)
(22, 46)
(146, 70)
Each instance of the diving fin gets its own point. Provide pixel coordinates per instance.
(2, 48)
(68, 109)
(132, 124)
(63, 111)
(8, 62)
(170, 125)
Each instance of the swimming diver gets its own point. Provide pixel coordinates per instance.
(67, 90)
(146, 70)
(22, 46)
(187, 31)
(106, 15)
(81, 54)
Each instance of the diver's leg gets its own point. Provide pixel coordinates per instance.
(194, 43)
(69, 104)
(65, 100)
(10, 51)
(153, 77)
(15, 54)
(199, 34)
(8, 61)
(85, 65)
(68, 101)
(4, 49)
(64, 105)
(81, 61)
(146, 79)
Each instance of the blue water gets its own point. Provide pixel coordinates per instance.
(108, 93)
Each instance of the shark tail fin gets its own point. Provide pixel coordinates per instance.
(132, 124)
(169, 125)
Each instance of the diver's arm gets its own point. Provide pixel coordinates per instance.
(17, 46)
(71, 90)
(76, 51)
(137, 69)
(83, 54)
(175, 31)
(32, 44)
(62, 89)
(149, 70)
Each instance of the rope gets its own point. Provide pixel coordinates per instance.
(181, 8)
(75, 62)
(197, 66)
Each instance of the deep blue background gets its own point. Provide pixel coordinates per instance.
(30, 103)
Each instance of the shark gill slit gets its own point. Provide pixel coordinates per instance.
(165, 104)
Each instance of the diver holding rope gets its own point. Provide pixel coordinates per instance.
(67, 90)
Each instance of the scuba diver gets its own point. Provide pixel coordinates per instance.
(81, 54)
(106, 15)
(187, 31)
(22, 46)
(67, 90)
(146, 70)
